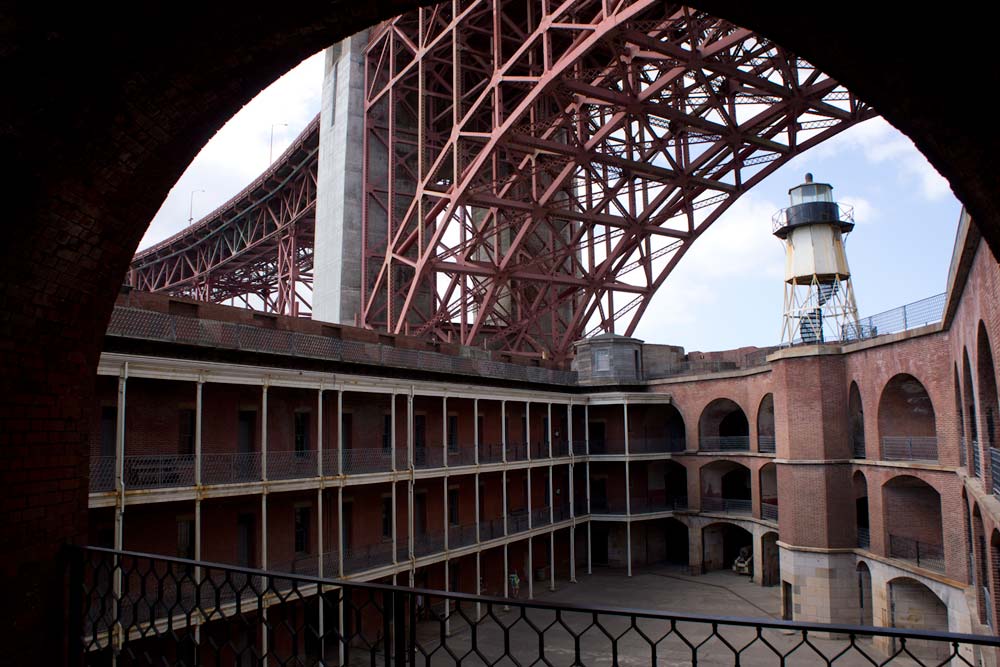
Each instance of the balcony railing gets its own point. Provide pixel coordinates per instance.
(360, 460)
(858, 447)
(231, 468)
(427, 544)
(961, 453)
(909, 448)
(976, 466)
(769, 511)
(517, 451)
(864, 538)
(463, 456)
(653, 504)
(461, 536)
(724, 443)
(490, 529)
(292, 465)
(159, 471)
(517, 521)
(930, 556)
(490, 453)
(102, 473)
(137, 608)
(647, 445)
(726, 505)
(428, 457)
(540, 517)
(358, 558)
(995, 470)
(766, 444)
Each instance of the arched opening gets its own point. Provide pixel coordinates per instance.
(993, 600)
(723, 544)
(856, 422)
(987, 397)
(674, 430)
(913, 606)
(765, 424)
(769, 492)
(676, 536)
(980, 555)
(865, 615)
(723, 426)
(912, 516)
(770, 562)
(675, 483)
(906, 421)
(860, 484)
(725, 487)
(969, 395)
(960, 418)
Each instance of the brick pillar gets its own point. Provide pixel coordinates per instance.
(810, 403)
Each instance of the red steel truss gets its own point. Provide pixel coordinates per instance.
(535, 169)
(255, 250)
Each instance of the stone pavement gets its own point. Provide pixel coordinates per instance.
(517, 636)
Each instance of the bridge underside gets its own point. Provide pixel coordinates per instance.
(533, 171)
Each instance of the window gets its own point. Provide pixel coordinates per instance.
(545, 430)
(387, 517)
(301, 433)
(480, 427)
(109, 430)
(245, 551)
(602, 360)
(185, 538)
(302, 515)
(185, 446)
(420, 431)
(452, 433)
(246, 431)
(387, 431)
(453, 507)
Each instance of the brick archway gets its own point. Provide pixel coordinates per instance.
(107, 109)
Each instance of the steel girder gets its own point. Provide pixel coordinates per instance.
(535, 170)
(256, 250)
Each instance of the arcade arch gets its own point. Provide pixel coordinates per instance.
(723, 426)
(912, 520)
(906, 421)
(861, 516)
(987, 388)
(765, 424)
(856, 422)
(914, 606)
(725, 487)
(722, 543)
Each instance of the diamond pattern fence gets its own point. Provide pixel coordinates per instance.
(142, 610)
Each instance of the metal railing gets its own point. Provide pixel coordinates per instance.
(977, 469)
(365, 460)
(727, 505)
(139, 608)
(428, 543)
(292, 464)
(428, 457)
(490, 529)
(724, 443)
(358, 558)
(540, 517)
(769, 511)
(461, 536)
(909, 448)
(858, 447)
(995, 470)
(864, 538)
(463, 456)
(766, 444)
(908, 316)
(517, 521)
(652, 504)
(158, 471)
(961, 453)
(654, 445)
(102, 473)
(231, 468)
(930, 556)
(490, 453)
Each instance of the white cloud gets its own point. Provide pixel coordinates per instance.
(864, 211)
(238, 153)
(879, 142)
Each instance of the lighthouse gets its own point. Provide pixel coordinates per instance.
(819, 297)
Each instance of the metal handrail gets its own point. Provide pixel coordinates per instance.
(909, 448)
(724, 443)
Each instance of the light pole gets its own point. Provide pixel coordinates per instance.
(191, 206)
(270, 150)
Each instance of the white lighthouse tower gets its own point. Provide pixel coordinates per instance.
(819, 297)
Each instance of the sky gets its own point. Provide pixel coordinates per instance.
(727, 291)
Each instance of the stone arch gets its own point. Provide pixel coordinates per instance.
(960, 419)
(676, 534)
(865, 613)
(912, 518)
(980, 554)
(721, 543)
(914, 606)
(994, 581)
(856, 421)
(675, 480)
(674, 431)
(725, 487)
(906, 421)
(723, 426)
(986, 377)
(770, 561)
(765, 424)
(969, 396)
(767, 479)
(861, 516)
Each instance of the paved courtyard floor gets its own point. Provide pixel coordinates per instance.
(520, 636)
